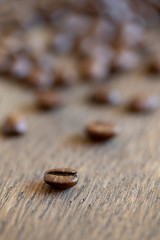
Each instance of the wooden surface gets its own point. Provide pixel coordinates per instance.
(118, 194)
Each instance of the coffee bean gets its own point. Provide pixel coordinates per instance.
(106, 96)
(128, 34)
(100, 130)
(14, 125)
(68, 21)
(144, 103)
(22, 68)
(41, 79)
(46, 62)
(94, 68)
(62, 178)
(124, 60)
(154, 66)
(5, 64)
(49, 100)
(66, 75)
(62, 43)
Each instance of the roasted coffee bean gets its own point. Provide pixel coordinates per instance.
(22, 68)
(100, 130)
(70, 22)
(144, 103)
(154, 66)
(106, 96)
(94, 68)
(14, 125)
(41, 79)
(65, 75)
(49, 100)
(5, 64)
(63, 43)
(124, 60)
(62, 178)
(46, 62)
(64, 79)
(128, 34)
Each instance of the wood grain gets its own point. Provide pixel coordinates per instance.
(118, 194)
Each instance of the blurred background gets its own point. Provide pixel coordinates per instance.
(57, 43)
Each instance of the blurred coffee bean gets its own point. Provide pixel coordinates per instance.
(62, 43)
(125, 60)
(94, 68)
(90, 47)
(14, 43)
(71, 22)
(65, 75)
(41, 79)
(77, 24)
(106, 96)
(46, 62)
(100, 130)
(68, 21)
(22, 68)
(43, 14)
(144, 103)
(48, 100)
(14, 125)
(84, 46)
(5, 64)
(128, 34)
(91, 8)
(154, 66)
(101, 30)
(59, 18)
(33, 20)
(37, 40)
(86, 42)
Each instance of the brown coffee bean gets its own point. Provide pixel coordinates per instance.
(106, 96)
(46, 62)
(100, 130)
(62, 43)
(5, 64)
(154, 66)
(49, 100)
(65, 75)
(22, 68)
(41, 79)
(144, 103)
(62, 178)
(14, 125)
(128, 34)
(124, 60)
(94, 68)
(68, 21)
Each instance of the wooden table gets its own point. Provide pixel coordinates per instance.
(118, 194)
